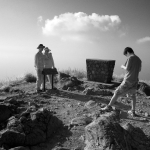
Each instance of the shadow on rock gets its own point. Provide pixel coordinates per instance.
(30, 130)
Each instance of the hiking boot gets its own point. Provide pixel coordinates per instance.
(107, 108)
(132, 113)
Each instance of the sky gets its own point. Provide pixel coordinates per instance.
(74, 30)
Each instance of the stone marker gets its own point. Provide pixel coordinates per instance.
(100, 70)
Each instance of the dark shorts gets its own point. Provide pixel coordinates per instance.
(126, 88)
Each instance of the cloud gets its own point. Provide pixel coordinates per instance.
(77, 26)
(40, 18)
(143, 40)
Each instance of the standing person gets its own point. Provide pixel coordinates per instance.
(39, 65)
(48, 62)
(130, 81)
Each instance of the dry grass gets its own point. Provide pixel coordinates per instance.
(10, 82)
(29, 77)
(80, 74)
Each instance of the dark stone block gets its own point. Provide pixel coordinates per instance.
(100, 70)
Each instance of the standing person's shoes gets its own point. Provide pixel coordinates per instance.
(54, 88)
(44, 90)
(38, 91)
(107, 108)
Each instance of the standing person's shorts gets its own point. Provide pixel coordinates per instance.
(126, 88)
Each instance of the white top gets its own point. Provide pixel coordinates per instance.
(48, 61)
(39, 61)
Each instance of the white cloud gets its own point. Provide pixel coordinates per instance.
(40, 18)
(78, 25)
(143, 40)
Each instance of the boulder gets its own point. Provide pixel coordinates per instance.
(105, 133)
(35, 137)
(145, 88)
(72, 82)
(29, 129)
(12, 138)
(53, 125)
(5, 112)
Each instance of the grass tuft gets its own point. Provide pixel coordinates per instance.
(29, 77)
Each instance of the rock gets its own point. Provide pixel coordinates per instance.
(139, 137)
(12, 101)
(63, 75)
(53, 125)
(35, 137)
(72, 82)
(30, 129)
(20, 148)
(106, 133)
(88, 91)
(25, 113)
(70, 89)
(143, 119)
(92, 91)
(146, 114)
(3, 98)
(140, 111)
(90, 104)
(145, 88)
(21, 109)
(103, 130)
(83, 120)
(148, 124)
(12, 138)
(61, 148)
(14, 124)
(5, 88)
(5, 112)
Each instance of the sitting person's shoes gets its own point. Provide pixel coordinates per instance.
(107, 108)
(132, 113)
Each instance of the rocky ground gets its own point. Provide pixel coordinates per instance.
(70, 107)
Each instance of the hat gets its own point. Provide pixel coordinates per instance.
(41, 46)
(46, 48)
